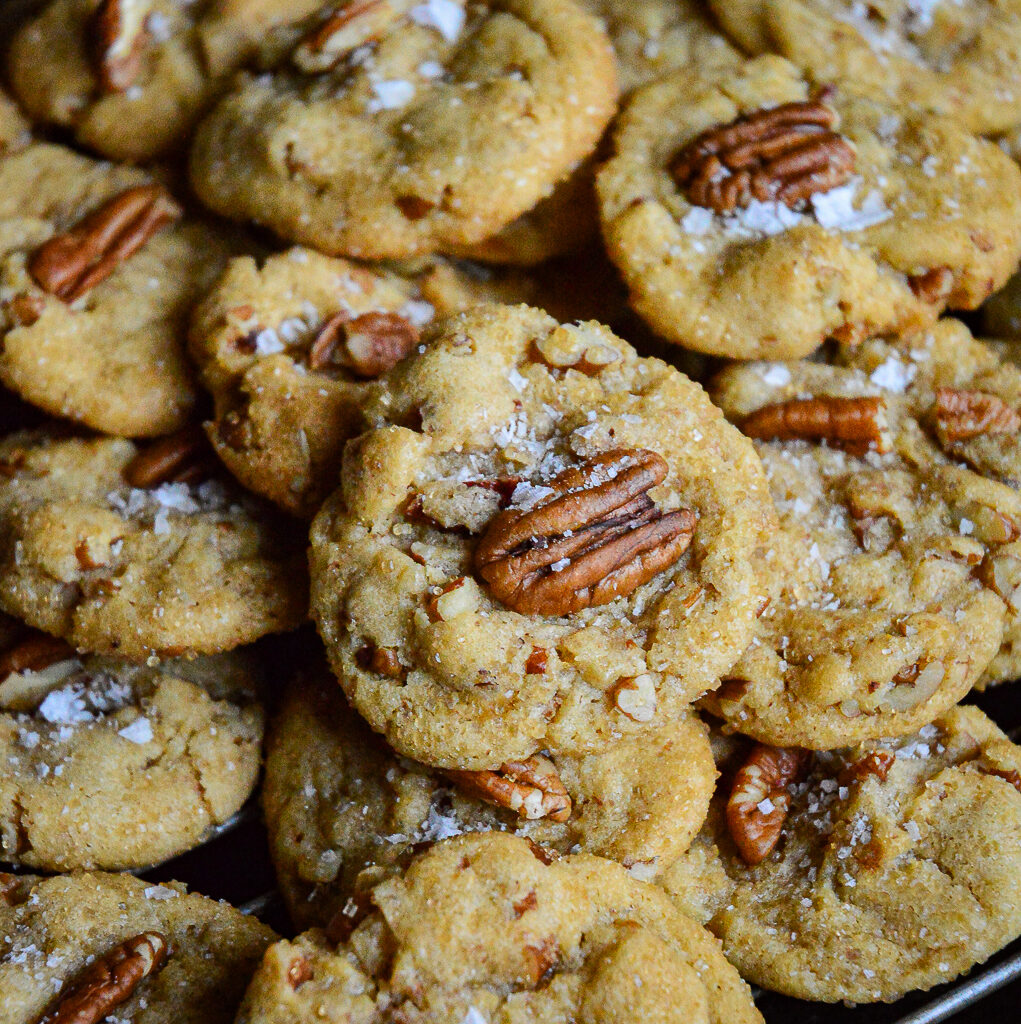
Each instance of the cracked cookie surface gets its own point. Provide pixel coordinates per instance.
(885, 620)
(54, 929)
(487, 927)
(875, 220)
(131, 77)
(98, 270)
(171, 569)
(403, 129)
(114, 766)
(599, 641)
(898, 867)
(288, 349)
(344, 811)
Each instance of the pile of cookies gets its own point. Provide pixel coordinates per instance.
(638, 665)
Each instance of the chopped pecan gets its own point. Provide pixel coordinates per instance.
(531, 788)
(298, 972)
(367, 346)
(598, 537)
(381, 660)
(33, 653)
(961, 415)
(70, 264)
(786, 153)
(110, 980)
(183, 457)
(759, 800)
(356, 23)
(854, 424)
(25, 309)
(354, 910)
(537, 662)
(635, 697)
(541, 961)
(1011, 775)
(934, 285)
(120, 36)
(875, 762)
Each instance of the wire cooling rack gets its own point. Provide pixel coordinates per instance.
(232, 863)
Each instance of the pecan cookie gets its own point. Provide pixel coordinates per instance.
(405, 128)
(546, 543)
(863, 873)
(725, 181)
(140, 553)
(111, 765)
(886, 617)
(131, 77)
(102, 947)
(344, 811)
(490, 927)
(98, 269)
(287, 350)
(958, 59)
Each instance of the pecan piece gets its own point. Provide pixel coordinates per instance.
(368, 346)
(854, 424)
(1011, 775)
(120, 36)
(355, 24)
(786, 154)
(598, 537)
(70, 264)
(34, 653)
(759, 800)
(110, 981)
(181, 458)
(875, 762)
(935, 285)
(961, 414)
(531, 788)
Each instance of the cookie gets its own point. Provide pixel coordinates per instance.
(959, 60)
(115, 766)
(288, 348)
(489, 927)
(881, 220)
(14, 129)
(885, 867)
(114, 550)
(657, 36)
(172, 956)
(966, 395)
(98, 270)
(344, 811)
(545, 543)
(886, 619)
(130, 79)
(407, 128)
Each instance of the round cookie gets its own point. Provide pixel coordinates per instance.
(873, 220)
(343, 811)
(897, 865)
(97, 274)
(166, 568)
(56, 933)
(131, 77)
(468, 649)
(288, 349)
(885, 620)
(407, 128)
(116, 766)
(956, 59)
(490, 928)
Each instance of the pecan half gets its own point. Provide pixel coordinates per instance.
(183, 457)
(355, 24)
(786, 154)
(72, 263)
(531, 788)
(34, 653)
(961, 414)
(854, 424)
(759, 800)
(368, 346)
(599, 537)
(110, 981)
(120, 36)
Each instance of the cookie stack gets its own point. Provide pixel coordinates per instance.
(641, 668)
